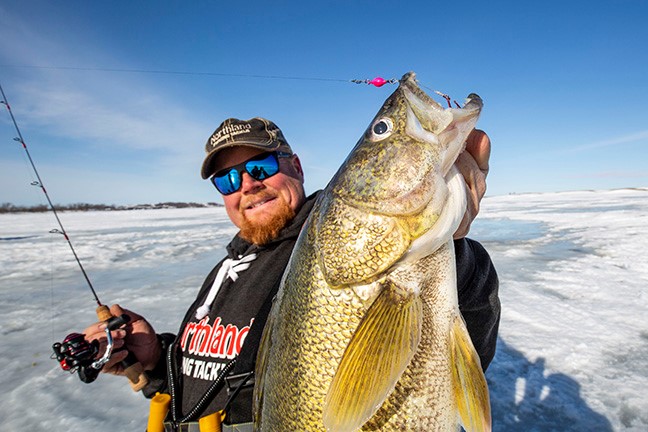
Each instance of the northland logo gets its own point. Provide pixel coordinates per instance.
(229, 131)
(215, 341)
(200, 369)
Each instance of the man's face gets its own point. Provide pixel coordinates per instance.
(262, 207)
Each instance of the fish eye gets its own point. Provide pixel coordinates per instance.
(382, 127)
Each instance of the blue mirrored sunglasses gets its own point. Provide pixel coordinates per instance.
(260, 167)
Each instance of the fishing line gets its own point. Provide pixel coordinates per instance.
(75, 354)
(378, 82)
(39, 183)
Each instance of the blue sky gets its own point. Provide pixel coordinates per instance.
(116, 99)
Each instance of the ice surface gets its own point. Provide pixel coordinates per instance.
(573, 347)
(573, 351)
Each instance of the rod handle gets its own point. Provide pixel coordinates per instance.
(132, 367)
(103, 313)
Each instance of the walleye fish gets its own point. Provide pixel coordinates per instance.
(365, 332)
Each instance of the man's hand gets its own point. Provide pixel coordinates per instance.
(137, 336)
(473, 165)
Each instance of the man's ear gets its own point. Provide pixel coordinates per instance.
(296, 163)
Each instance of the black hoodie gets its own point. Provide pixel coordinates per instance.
(241, 308)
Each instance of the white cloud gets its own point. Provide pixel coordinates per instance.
(53, 98)
(117, 109)
(624, 139)
(108, 112)
(610, 175)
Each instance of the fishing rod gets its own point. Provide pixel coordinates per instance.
(40, 184)
(75, 354)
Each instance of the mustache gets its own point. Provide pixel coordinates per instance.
(250, 200)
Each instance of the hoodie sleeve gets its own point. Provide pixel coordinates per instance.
(158, 380)
(478, 285)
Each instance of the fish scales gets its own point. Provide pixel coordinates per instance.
(365, 331)
(309, 323)
(422, 384)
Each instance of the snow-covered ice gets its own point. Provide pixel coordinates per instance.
(573, 345)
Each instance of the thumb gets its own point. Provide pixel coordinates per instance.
(117, 310)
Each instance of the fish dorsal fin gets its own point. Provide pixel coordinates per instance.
(468, 381)
(380, 350)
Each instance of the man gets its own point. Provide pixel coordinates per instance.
(261, 180)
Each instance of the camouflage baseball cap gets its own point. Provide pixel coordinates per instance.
(256, 132)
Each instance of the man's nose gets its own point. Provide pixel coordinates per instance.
(250, 184)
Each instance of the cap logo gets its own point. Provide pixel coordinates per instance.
(229, 132)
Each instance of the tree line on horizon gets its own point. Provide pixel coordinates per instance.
(39, 208)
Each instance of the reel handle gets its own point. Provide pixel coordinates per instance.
(132, 367)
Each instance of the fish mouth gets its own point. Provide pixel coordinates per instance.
(395, 175)
(426, 117)
(433, 117)
(417, 97)
(399, 165)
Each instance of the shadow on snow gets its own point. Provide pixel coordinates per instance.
(525, 398)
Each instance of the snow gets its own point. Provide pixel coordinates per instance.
(573, 347)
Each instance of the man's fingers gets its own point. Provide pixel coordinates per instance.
(473, 164)
(479, 146)
(137, 335)
(118, 341)
(475, 178)
(113, 365)
(118, 310)
(95, 330)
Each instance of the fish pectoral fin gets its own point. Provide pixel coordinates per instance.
(469, 384)
(378, 353)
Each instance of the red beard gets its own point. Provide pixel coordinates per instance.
(261, 233)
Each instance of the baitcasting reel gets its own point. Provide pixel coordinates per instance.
(75, 354)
